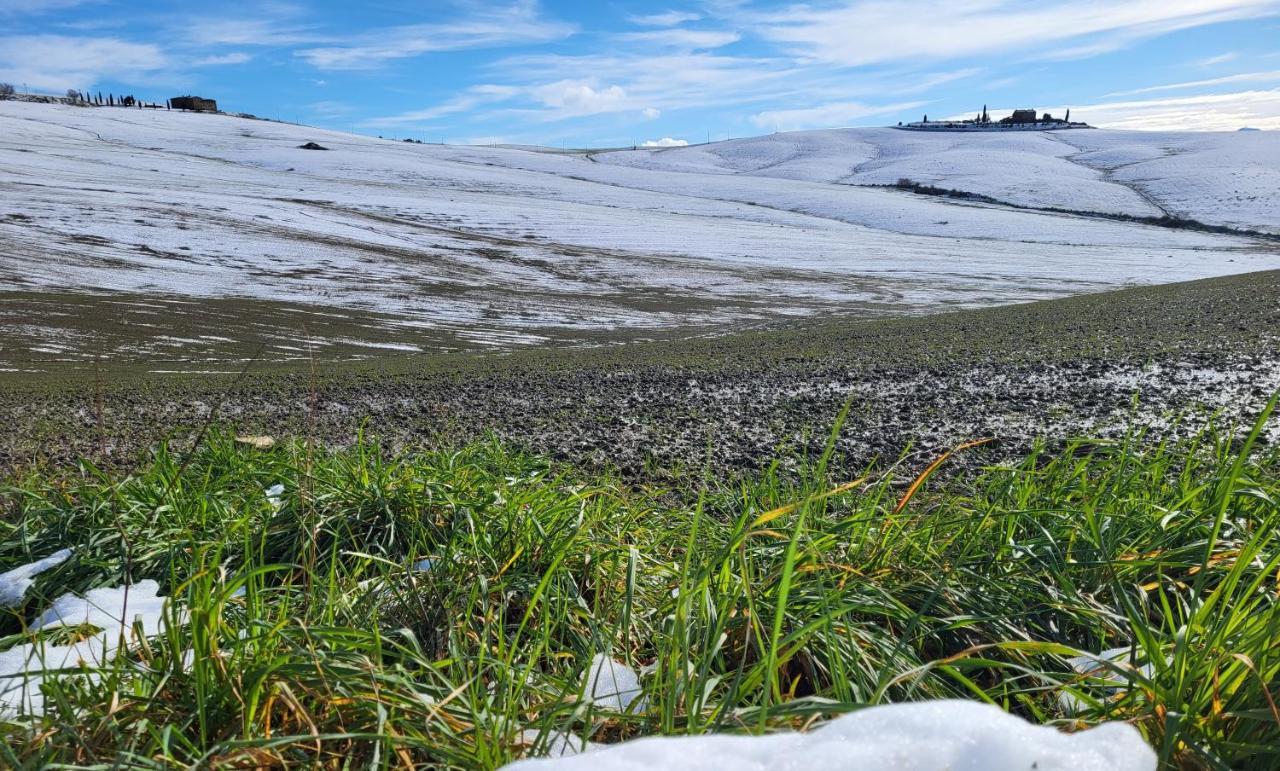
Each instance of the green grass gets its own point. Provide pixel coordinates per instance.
(749, 606)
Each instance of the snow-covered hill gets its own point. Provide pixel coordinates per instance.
(441, 246)
(1223, 178)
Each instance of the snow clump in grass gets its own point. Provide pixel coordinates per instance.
(925, 736)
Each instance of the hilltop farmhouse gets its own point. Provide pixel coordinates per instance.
(1021, 120)
(197, 103)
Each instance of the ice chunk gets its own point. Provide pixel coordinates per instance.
(15, 583)
(924, 736)
(612, 684)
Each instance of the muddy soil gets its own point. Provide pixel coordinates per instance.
(1165, 358)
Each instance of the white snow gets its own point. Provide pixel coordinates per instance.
(110, 609)
(924, 736)
(1106, 669)
(118, 614)
(15, 583)
(556, 744)
(508, 246)
(612, 684)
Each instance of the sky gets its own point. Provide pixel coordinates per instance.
(611, 74)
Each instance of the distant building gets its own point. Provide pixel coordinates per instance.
(198, 103)
(1020, 120)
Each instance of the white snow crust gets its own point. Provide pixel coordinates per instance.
(924, 736)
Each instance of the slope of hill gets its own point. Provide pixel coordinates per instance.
(1219, 178)
(157, 236)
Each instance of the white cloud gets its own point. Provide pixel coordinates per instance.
(1244, 77)
(665, 142)
(877, 31)
(57, 62)
(836, 114)
(651, 113)
(515, 24)
(224, 59)
(1209, 112)
(685, 39)
(664, 19)
(581, 98)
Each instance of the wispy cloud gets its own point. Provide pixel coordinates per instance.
(237, 57)
(17, 7)
(1210, 61)
(877, 31)
(684, 39)
(57, 62)
(486, 27)
(826, 115)
(1207, 112)
(264, 31)
(664, 19)
(1244, 77)
(474, 97)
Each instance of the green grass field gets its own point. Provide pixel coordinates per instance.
(747, 606)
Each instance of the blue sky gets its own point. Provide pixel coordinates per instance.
(619, 73)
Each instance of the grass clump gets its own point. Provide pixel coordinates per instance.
(439, 608)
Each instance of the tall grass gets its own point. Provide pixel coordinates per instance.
(746, 606)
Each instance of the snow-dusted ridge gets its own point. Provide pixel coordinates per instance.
(505, 246)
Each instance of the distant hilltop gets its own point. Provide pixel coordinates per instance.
(1020, 120)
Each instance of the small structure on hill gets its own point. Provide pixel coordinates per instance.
(197, 103)
(1020, 120)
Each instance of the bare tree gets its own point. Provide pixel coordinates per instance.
(74, 95)
(6, 89)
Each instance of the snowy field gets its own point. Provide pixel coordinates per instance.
(148, 219)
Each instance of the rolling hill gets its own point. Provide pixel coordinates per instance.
(165, 237)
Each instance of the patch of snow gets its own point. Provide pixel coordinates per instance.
(110, 609)
(926, 736)
(1106, 669)
(557, 744)
(273, 494)
(119, 613)
(613, 685)
(15, 583)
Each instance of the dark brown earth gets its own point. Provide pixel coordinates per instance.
(1164, 357)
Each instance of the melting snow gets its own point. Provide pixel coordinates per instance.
(925, 736)
(14, 584)
(113, 611)
(613, 685)
(1105, 667)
